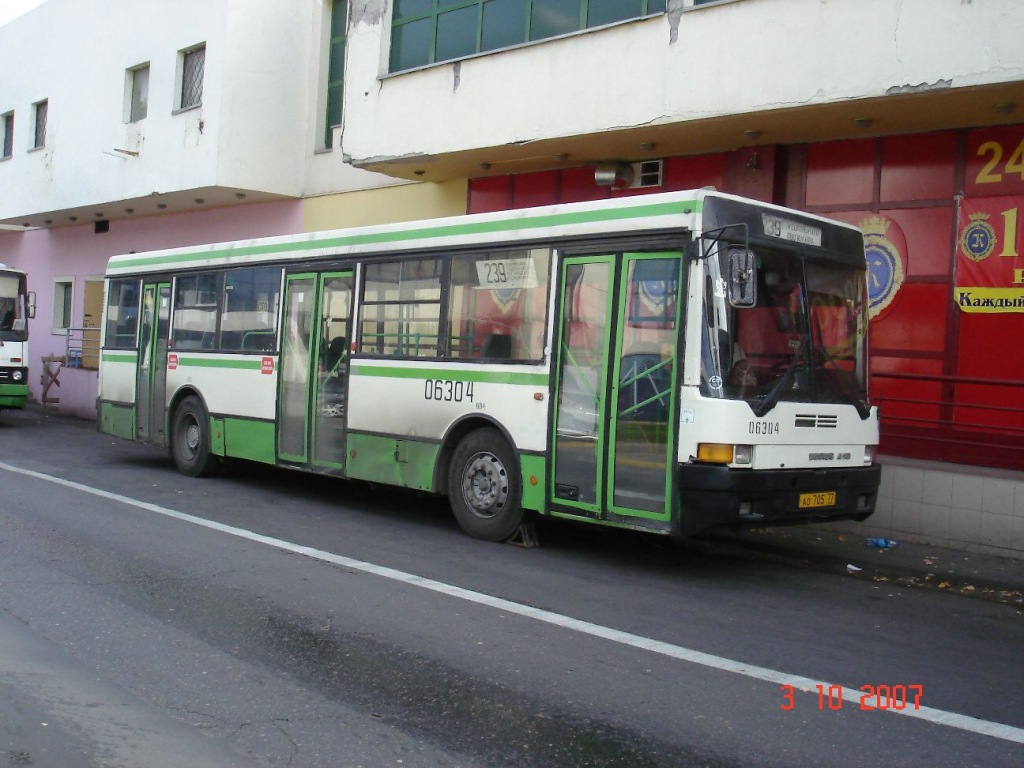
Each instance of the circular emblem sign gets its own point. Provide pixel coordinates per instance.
(978, 238)
(885, 262)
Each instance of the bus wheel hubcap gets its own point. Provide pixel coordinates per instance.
(485, 485)
(192, 437)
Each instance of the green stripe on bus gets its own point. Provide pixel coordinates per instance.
(451, 230)
(206, 362)
(120, 357)
(488, 377)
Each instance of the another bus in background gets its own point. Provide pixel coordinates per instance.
(17, 305)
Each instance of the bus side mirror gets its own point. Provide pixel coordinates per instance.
(742, 278)
(31, 308)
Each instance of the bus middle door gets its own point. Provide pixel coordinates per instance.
(314, 369)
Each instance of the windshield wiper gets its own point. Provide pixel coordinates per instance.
(841, 381)
(775, 393)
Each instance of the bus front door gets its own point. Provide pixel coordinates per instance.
(151, 384)
(314, 370)
(616, 394)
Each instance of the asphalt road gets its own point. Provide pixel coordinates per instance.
(269, 618)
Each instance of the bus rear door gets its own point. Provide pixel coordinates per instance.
(151, 384)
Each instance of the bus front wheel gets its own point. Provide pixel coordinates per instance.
(190, 440)
(484, 487)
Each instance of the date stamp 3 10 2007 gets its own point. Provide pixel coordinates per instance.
(871, 698)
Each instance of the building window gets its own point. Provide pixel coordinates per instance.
(336, 68)
(193, 66)
(8, 135)
(40, 110)
(63, 293)
(137, 94)
(429, 31)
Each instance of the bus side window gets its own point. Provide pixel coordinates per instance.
(497, 304)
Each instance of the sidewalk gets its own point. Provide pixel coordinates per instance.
(838, 548)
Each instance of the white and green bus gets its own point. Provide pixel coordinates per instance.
(667, 362)
(17, 305)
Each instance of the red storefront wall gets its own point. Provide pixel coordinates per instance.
(944, 365)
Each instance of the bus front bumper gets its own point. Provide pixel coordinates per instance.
(13, 395)
(712, 495)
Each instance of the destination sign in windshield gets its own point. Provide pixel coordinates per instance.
(784, 229)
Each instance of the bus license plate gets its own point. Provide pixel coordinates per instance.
(820, 499)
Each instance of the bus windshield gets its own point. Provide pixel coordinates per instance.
(804, 340)
(12, 308)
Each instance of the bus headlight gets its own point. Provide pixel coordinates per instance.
(17, 376)
(720, 453)
(869, 453)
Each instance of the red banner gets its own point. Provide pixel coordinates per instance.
(989, 268)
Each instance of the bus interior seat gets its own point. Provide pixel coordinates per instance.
(497, 346)
(258, 341)
(335, 353)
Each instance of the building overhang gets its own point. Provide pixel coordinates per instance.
(154, 204)
(906, 110)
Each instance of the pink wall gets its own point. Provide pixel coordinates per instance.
(79, 252)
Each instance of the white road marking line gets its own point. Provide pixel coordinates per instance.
(806, 684)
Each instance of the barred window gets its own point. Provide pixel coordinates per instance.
(429, 31)
(8, 135)
(193, 66)
(41, 111)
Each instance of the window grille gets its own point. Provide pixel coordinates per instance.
(193, 67)
(8, 135)
(42, 108)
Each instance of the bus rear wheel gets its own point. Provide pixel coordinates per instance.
(484, 486)
(190, 439)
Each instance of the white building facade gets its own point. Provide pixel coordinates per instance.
(129, 126)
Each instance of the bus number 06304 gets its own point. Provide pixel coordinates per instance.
(447, 391)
